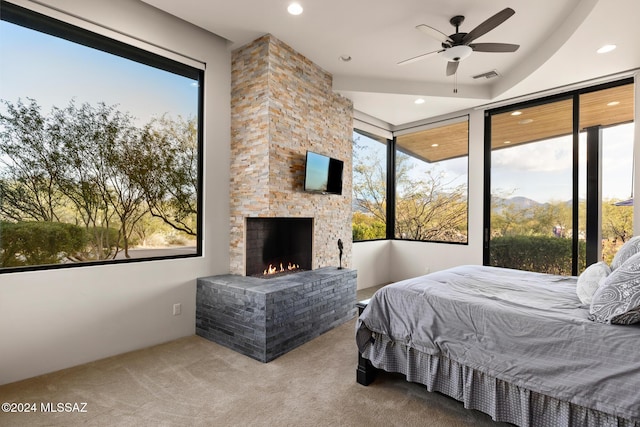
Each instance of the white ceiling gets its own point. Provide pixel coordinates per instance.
(558, 41)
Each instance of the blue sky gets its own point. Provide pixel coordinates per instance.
(542, 170)
(53, 71)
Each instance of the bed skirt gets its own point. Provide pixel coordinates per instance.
(501, 400)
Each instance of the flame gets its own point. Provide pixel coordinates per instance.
(274, 269)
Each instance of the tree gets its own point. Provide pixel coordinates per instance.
(168, 174)
(617, 227)
(429, 207)
(92, 166)
(87, 138)
(124, 158)
(369, 182)
(28, 165)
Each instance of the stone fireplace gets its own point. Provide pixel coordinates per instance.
(282, 105)
(278, 245)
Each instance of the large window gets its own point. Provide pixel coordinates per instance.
(431, 182)
(99, 148)
(560, 193)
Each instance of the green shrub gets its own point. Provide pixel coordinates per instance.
(374, 230)
(534, 253)
(38, 243)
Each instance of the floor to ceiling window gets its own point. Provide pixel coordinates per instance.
(559, 180)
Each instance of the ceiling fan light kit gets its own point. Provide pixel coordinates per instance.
(457, 53)
(458, 46)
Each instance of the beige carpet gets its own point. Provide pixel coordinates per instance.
(195, 382)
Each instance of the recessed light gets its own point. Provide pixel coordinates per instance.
(507, 142)
(419, 101)
(295, 9)
(613, 103)
(434, 145)
(516, 113)
(525, 121)
(606, 48)
(345, 58)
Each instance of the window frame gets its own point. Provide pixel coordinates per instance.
(387, 143)
(391, 194)
(54, 27)
(433, 124)
(573, 95)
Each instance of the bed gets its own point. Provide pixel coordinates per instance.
(519, 346)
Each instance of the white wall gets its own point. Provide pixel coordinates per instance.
(373, 262)
(410, 259)
(54, 319)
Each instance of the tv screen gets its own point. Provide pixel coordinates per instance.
(323, 174)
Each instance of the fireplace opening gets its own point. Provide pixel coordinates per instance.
(276, 246)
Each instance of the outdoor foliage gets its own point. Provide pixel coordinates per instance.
(534, 253)
(94, 167)
(365, 227)
(36, 243)
(428, 207)
(537, 237)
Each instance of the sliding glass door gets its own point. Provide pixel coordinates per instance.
(558, 180)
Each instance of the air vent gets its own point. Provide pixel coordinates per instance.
(488, 75)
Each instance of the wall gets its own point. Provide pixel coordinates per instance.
(282, 105)
(51, 320)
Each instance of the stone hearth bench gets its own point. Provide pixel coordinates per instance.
(265, 318)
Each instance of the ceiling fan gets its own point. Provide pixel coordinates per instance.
(458, 46)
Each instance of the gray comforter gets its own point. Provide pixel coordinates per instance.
(528, 329)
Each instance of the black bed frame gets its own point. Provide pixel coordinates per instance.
(366, 372)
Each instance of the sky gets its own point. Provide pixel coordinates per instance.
(541, 171)
(53, 71)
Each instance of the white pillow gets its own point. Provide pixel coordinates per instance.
(617, 300)
(626, 251)
(590, 279)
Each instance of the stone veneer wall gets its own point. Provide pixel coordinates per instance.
(282, 105)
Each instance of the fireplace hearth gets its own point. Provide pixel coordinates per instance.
(264, 319)
(278, 246)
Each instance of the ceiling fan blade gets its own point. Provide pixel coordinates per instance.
(419, 57)
(452, 67)
(433, 33)
(494, 47)
(488, 25)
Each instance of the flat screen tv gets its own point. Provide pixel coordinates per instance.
(323, 174)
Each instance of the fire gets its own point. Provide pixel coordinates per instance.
(274, 269)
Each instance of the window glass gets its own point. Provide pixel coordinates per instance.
(99, 154)
(534, 161)
(532, 187)
(369, 220)
(611, 110)
(432, 183)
